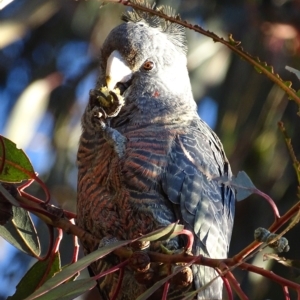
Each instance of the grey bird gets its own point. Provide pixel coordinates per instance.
(151, 160)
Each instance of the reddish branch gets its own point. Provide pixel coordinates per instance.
(166, 289)
(119, 284)
(269, 274)
(56, 217)
(235, 285)
(273, 228)
(51, 256)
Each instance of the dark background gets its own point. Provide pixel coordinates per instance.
(48, 64)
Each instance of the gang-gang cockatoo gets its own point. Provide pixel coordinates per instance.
(147, 159)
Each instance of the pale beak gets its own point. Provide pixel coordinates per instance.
(117, 70)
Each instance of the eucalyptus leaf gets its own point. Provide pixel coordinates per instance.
(51, 285)
(163, 233)
(72, 269)
(243, 185)
(15, 165)
(8, 196)
(69, 290)
(35, 274)
(21, 233)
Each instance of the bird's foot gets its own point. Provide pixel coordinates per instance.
(108, 102)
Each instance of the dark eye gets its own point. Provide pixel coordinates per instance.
(148, 65)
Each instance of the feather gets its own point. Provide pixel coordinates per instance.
(174, 32)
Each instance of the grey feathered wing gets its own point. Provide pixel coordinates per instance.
(205, 207)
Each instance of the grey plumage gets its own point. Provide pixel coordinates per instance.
(166, 154)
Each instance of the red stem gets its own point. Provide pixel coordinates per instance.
(190, 238)
(30, 197)
(269, 274)
(120, 280)
(271, 202)
(273, 228)
(24, 185)
(50, 247)
(286, 293)
(53, 251)
(69, 214)
(226, 284)
(235, 285)
(76, 245)
(44, 187)
(37, 210)
(166, 290)
(111, 270)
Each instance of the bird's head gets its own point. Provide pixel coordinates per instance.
(145, 57)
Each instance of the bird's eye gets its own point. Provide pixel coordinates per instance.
(148, 65)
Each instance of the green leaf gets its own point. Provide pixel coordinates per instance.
(258, 69)
(14, 164)
(287, 83)
(70, 290)
(162, 233)
(263, 65)
(71, 270)
(21, 233)
(8, 196)
(35, 274)
(232, 41)
(268, 68)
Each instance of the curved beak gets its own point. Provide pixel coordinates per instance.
(117, 70)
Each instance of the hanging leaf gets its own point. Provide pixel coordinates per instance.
(14, 164)
(71, 270)
(6, 212)
(68, 272)
(70, 290)
(7, 195)
(163, 233)
(243, 185)
(35, 274)
(21, 233)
